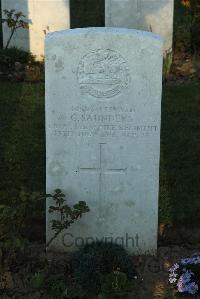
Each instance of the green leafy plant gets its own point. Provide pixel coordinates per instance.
(14, 20)
(13, 54)
(67, 215)
(19, 65)
(117, 285)
(167, 62)
(55, 286)
(38, 280)
(74, 292)
(91, 263)
(51, 286)
(15, 63)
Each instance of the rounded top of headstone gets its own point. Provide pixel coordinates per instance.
(110, 30)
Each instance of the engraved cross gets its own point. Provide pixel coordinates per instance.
(101, 170)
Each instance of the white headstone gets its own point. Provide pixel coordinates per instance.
(148, 15)
(103, 102)
(43, 16)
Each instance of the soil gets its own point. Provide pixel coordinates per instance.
(185, 69)
(151, 280)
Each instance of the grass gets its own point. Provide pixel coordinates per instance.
(22, 147)
(180, 148)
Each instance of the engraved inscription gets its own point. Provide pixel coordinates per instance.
(101, 121)
(103, 73)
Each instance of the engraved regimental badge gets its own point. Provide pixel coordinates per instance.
(103, 73)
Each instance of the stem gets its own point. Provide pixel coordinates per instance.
(51, 240)
(8, 42)
(59, 231)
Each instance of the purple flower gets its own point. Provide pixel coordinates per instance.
(191, 260)
(192, 288)
(197, 260)
(185, 277)
(181, 287)
(186, 261)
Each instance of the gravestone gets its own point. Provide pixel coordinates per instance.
(148, 15)
(43, 16)
(103, 102)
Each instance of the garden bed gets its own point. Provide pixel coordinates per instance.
(152, 279)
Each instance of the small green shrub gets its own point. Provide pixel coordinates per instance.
(117, 283)
(19, 65)
(14, 54)
(50, 286)
(38, 280)
(92, 262)
(67, 215)
(14, 20)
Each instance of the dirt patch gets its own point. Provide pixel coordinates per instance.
(185, 69)
(152, 271)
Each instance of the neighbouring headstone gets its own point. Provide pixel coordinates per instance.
(43, 16)
(148, 15)
(103, 110)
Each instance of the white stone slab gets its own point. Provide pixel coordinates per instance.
(103, 100)
(43, 15)
(149, 15)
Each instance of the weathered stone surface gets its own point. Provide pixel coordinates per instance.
(148, 15)
(103, 99)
